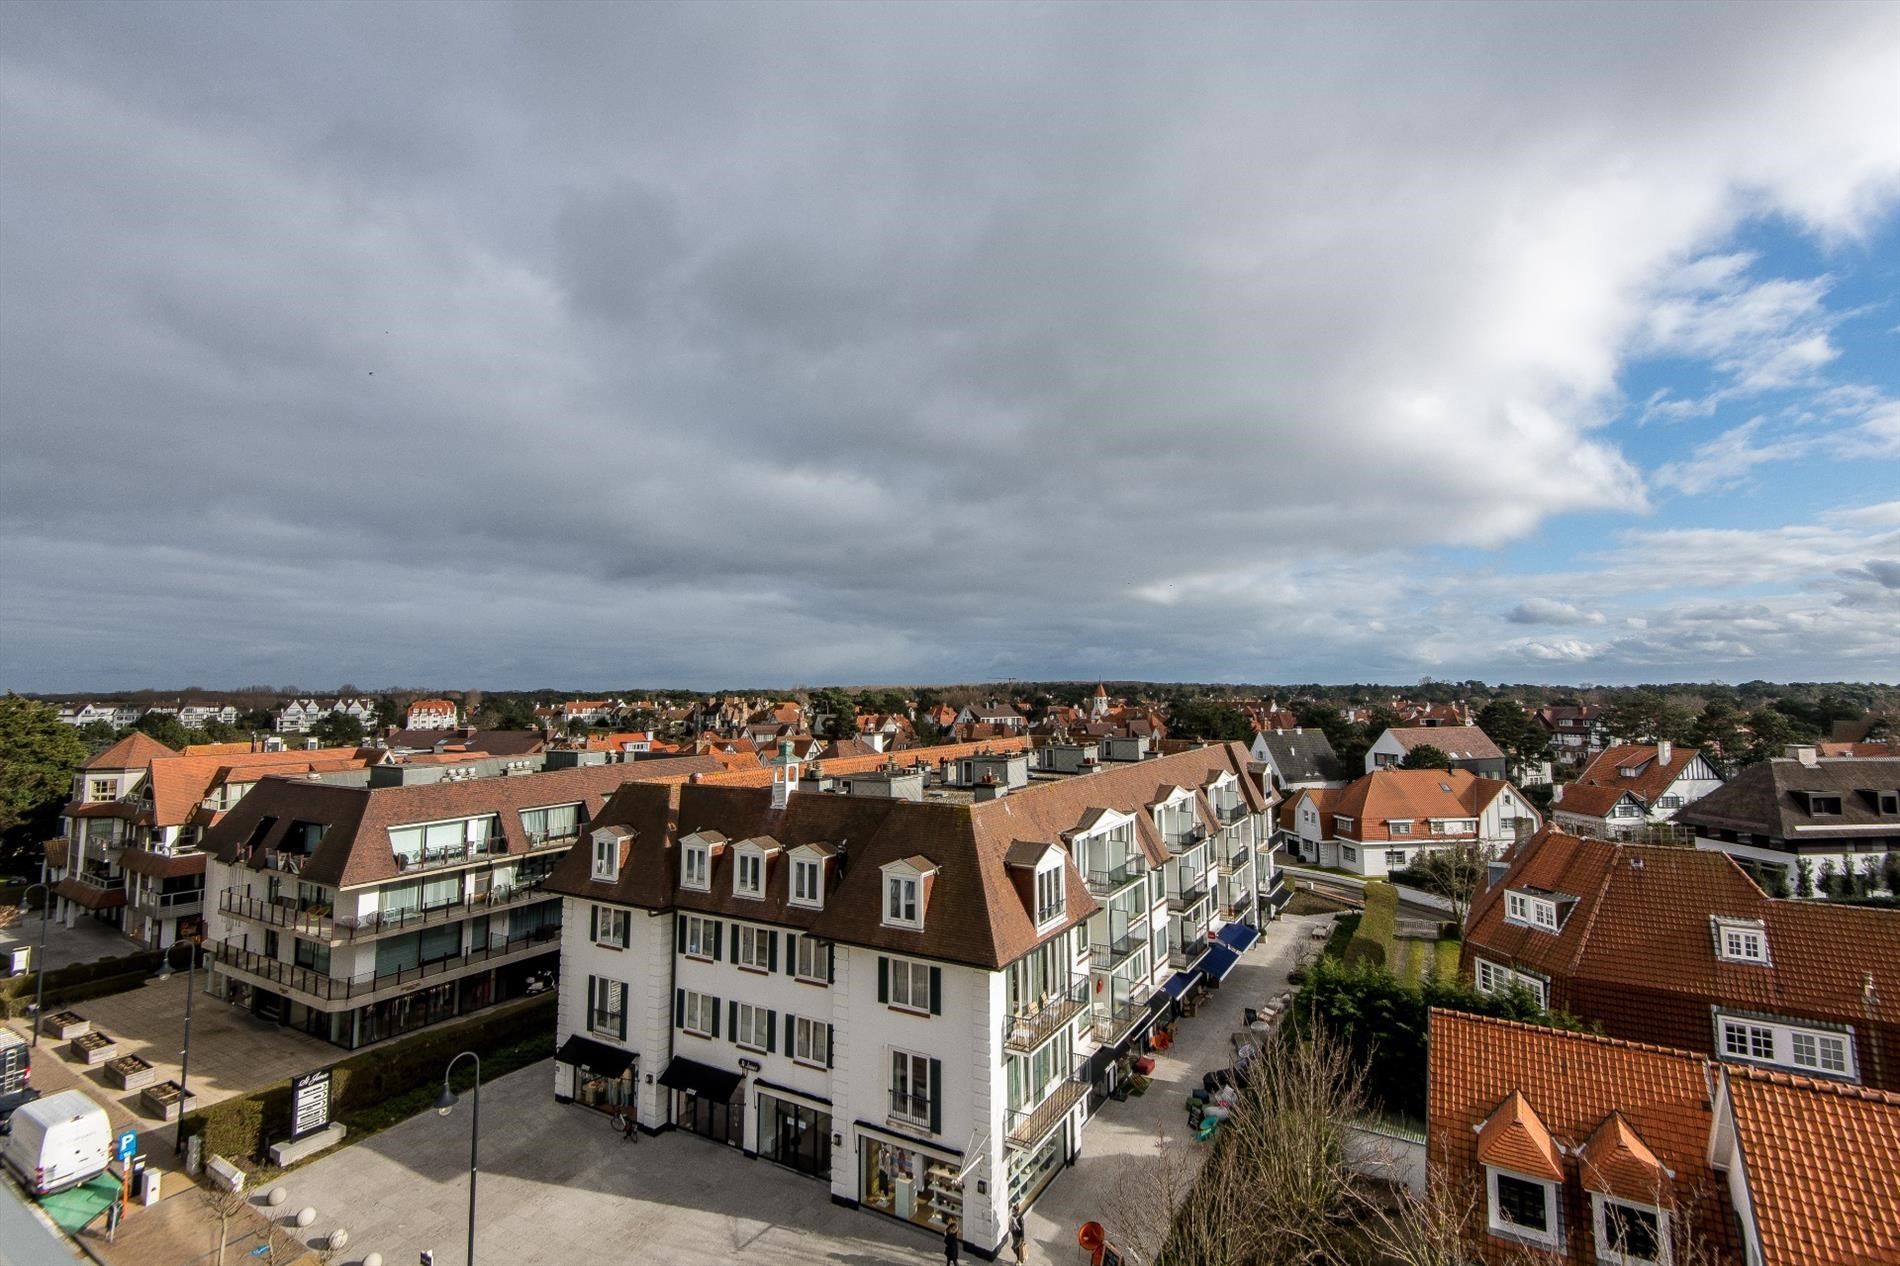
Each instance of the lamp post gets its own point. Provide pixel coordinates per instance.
(444, 1103)
(184, 1059)
(39, 989)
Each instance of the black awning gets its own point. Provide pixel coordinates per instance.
(595, 1057)
(701, 1079)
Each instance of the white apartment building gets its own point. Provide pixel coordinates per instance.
(913, 984)
(363, 907)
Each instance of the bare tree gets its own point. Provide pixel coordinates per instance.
(226, 1204)
(1454, 872)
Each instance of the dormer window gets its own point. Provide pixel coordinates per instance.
(1531, 911)
(900, 902)
(606, 858)
(1051, 894)
(1741, 941)
(1401, 826)
(1341, 823)
(1824, 806)
(805, 875)
(693, 867)
(748, 877)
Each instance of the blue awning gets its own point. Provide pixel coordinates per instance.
(1180, 983)
(1239, 936)
(1218, 961)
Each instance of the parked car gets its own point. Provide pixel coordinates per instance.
(58, 1142)
(16, 1075)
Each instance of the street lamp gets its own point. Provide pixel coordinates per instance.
(184, 1059)
(444, 1104)
(39, 989)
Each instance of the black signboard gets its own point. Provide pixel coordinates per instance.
(309, 1103)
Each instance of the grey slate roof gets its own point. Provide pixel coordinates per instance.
(1303, 756)
(1764, 799)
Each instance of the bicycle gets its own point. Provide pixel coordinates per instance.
(625, 1127)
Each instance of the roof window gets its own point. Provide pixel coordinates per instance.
(1741, 940)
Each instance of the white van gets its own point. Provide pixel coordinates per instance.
(59, 1141)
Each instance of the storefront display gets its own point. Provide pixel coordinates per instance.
(909, 1184)
(794, 1135)
(1029, 1174)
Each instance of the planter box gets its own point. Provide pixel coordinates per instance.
(129, 1072)
(160, 1100)
(64, 1025)
(93, 1049)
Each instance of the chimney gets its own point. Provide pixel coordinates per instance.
(1664, 749)
(1807, 755)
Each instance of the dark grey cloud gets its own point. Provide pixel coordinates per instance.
(701, 343)
(1884, 572)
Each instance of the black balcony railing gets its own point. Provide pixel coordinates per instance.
(1227, 815)
(1034, 1022)
(910, 1107)
(453, 855)
(327, 988)
(1193, 890)
(1112, 1024)
(1030, 1126)
(1106, 883)
(318, 920)
(1110, 954)
(1181, 840)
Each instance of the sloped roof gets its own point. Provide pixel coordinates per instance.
(1823, 1165)
(761, 776)
(355, 847)
(1514, 1138)
(1590, 800)
(1416, 794)
(180, 783)
(1653, 777)
(975, 915)
(135, 751)
(1460, 742)
(1648, 925)
(1761, 798)
(1302, 756)
(1615, 1161)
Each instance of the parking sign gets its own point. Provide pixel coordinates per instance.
(128, 1145)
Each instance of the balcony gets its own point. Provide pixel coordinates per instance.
(1183, 957)
(1035, 1023)
(459, 854)
(1193, 892)
(103, 882)
(1227, 815)
(1108, 955)
(910, 1109)
(311, 921)
(1029, 1127)
(1234, 862)
(1180, 841)
(315, 986)
(541, 839)
(319, 922)
(188, 902)
(1112, 1024)
(1106, 883)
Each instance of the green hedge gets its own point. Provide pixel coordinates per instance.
(1374, 943)
(77, 982)
(366, 1085)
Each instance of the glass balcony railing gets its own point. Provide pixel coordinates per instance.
(1108, 882)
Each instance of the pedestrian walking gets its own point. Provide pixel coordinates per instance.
(951, 1243)
(1018, 1238)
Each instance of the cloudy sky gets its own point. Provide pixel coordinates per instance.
(498, 345)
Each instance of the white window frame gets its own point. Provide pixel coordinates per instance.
(607, 860)
(914, 1064)
(748, 875)
(811, 1042)
(750, 1026)
(1398, 826)
(696, 867)
(752, 947)
(1530, 911)
(1776, 1044)
(915, 975)
(96, 786)
(903, 901)
(699, 937)
(613, 927)
(1498, 1225)
(1395, 858)
(603, 990)
(1742, 941)
(1057, 900)
(1495, 978)
(808, 882)
(700, 1009)
(1607, 1252)
(810, 961)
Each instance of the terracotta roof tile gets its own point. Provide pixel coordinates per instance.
(1513, 1138)
(1460, 742)
(135, 751)
(1616, 1162)
(1653, 776)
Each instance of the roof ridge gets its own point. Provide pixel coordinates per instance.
(1546, 1030)
(1840, 1089)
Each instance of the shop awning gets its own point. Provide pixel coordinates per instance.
(595, 1057)
(701, 1079)
(1218, 961)
(1180, 983)
(1238, 936)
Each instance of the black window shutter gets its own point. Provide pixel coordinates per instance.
(791, 953)
(936, 1094)
(679, 926)
(719, 942)
(679, 1008)
(593, 923)
(771, 952)
(715, 1015)
(623, 1012)
(831, 964)
(828, 1036)
(732, 1019)
(791, 1045)
(883, 978)
(771, 1032)
(936, 991)
(591, 986)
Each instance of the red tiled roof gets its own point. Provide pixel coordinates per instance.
(1653, 776)
(135, 751)
(1460, 742)
(1513, 1138)
(1616, 1162)
(1823, 1168)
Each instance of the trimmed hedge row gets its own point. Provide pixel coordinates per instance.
(78, 981)
(1374, 943)
(244, 1127)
